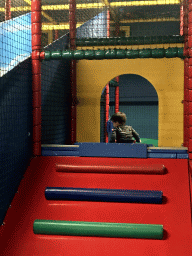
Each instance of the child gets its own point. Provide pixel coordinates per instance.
(122, 133)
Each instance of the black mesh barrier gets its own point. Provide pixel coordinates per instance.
(15, 98)
(55, 90)
(15, 130)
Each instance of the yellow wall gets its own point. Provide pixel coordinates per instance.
(167, 77)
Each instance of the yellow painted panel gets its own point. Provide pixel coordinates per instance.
(166, 75)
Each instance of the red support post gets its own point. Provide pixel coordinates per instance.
(117, 95)
(7, 9)
(72, 36)
(36, 74)
(106, 111)
(184, 30)
(108, 23)
(56, 34)
(107, 86)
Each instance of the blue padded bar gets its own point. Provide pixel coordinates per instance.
(136, 150)
(104, 195)
(170, 151)
(60, 148)
(59, 153)
(182, 156)
(162, 155)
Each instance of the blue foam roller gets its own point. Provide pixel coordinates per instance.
(104, 195)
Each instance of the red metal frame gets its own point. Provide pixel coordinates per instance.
(72, 36)
(7, 9)
(36, 74)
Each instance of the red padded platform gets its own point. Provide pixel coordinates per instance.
(18, 239)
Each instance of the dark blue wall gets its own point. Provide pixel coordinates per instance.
(15, 130)
(55, 87)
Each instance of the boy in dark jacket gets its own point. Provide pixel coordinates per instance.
(122, 133)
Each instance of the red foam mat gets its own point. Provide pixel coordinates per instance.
(17, 237)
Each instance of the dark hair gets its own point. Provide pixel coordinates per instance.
(119, 117)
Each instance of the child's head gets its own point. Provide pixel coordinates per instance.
(119, 118)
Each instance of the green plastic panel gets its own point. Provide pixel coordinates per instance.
(101, 229)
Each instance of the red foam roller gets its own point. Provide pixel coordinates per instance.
(36, 83)
(36, 39)
(36, 67)
(37, 133)
(36, 28)
(189, 83)
(36, 116)
(36, 17)
(190, 71)
(190, 95)
(190, 145)
(35, 5)
(36, 99)
(37, 148)
(132, 169)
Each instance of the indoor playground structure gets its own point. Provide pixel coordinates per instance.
(65, 68)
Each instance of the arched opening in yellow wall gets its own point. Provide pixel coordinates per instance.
(138, 99)
(167, 77)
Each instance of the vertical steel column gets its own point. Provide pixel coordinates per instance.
(72, 36)
(117, 95)
(107, 86)
(7, 9)
(36, 74)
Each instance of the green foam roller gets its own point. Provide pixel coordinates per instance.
(99, 54)
(110, 54)
(165, 39)
(171, 52)
(140, 40)
(89, 54)
(67, 54)
(56, 55)
(120, 54)
(147, 40)
(93, 41)
(145, 53)
(79, 54)
(132, 54)
(101, 229)
(158, 53)
(131, 41)
(47, 55)
(180, 52)
(111, 41)
(123, 41)
(80, 42)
